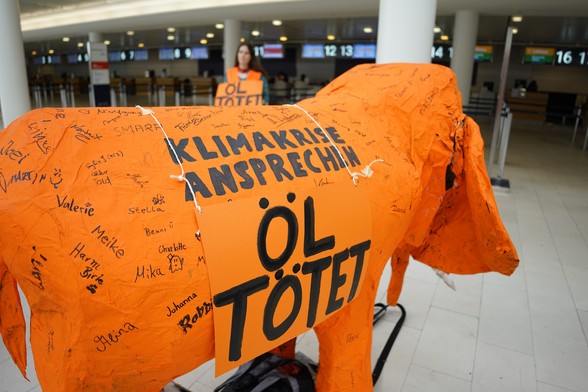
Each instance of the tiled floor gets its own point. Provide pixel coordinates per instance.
(527, 332)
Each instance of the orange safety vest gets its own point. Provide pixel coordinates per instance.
(233, 75)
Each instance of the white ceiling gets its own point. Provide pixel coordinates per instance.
(562, 22)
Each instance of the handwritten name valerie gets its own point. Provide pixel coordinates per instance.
(73, 207)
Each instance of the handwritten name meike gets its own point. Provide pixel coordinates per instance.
(317, 155)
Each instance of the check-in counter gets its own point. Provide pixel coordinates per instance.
(530, 106)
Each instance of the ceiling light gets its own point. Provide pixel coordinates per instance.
(171, 37)
(242, 40)
(219, 26)
(80, 44)
(517, 18)
(203, 41)
(368, 30)
(331, 37)
(277, 22)
(283, 38)
(515, 30)
(34, 52)
(131, 33)
(65, 39)
(444, 37)
(171, 29)
(51, 51)
(436, 29)
(210, 35)
(141, 45)
(107, 42)
(255, 33)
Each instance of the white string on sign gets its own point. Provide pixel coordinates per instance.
(181, 177)
(366, 172)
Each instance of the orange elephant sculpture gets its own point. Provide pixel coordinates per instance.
(148, 241)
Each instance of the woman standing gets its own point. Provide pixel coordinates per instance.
(248, 67)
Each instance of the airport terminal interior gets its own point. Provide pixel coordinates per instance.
(524, 332)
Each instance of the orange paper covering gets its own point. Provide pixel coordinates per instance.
(108, 248)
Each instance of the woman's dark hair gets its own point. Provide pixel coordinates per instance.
(254, 64)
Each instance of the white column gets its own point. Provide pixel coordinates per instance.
(99, 74)
(405, 31)
(231, 41)
(94, 36)
(465, 32)
(14, 86)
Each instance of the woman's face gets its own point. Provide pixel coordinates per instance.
(243, 56)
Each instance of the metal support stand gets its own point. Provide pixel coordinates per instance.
(37, 95)
(578, 116)
(45, 97)
(151, 97)
(92, 100)
(63, 96)
(162, 96)
(71, 96)
(113, 97)
(500, 99)
(122, 94)
(506, 122)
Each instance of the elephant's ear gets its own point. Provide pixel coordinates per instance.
(467, 235)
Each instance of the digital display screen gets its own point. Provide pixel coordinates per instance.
(77, 58)
(483, 53)
(182, 53)
(166, 53)
(575, 56)
(364, 51)
(441, 53)
(45, 60)
(536, 55)
(273, 51)
(114, 56)
(199, 53)
(313, 51)
(269, 51)
(141, 55)
(339, 51)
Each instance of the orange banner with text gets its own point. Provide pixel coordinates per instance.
(294, 260)
(246, 92)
